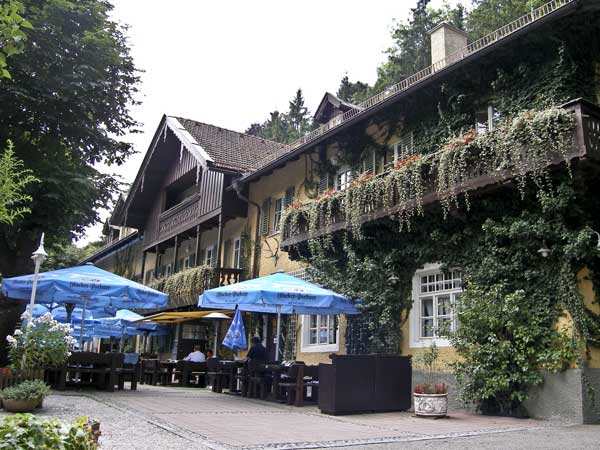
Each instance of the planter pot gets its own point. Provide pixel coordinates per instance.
(20, 406)
(431, 405)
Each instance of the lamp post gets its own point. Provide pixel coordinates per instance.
(39, 256)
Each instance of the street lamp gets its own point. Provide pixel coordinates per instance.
(39, 256)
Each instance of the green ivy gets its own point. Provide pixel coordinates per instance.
(184, 287)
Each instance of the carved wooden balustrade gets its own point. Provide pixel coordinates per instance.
(586, 147)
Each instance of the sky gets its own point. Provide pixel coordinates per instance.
(231, 62)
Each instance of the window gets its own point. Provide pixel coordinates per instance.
(195, 332)
(181, 190)
(237, 246)
(209, 260)
(319, 334)
(186, 262)
(435, 296)
(149, 276)
(343, 179)
(486, 119)
(289, 197)
(227, 252)
(168, 270)
(277, 214)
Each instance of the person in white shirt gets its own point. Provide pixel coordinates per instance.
(196, 355)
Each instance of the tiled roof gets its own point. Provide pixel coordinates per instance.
(231, 150)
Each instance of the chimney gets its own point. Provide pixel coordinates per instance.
(446, 40)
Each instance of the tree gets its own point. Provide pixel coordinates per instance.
(411, 50)
(66, 109)
(298, 115)
(62, 256)
(14, 179)
(285, 127)
(489, 15)
(353, 92)
(12, 36)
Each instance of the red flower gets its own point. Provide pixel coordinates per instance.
(405, 162)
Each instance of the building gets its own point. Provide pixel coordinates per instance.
(432, 146)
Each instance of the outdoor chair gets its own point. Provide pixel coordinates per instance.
(302, 382)
(153, 373)
(242, 377)
(88, 368)
(260, 378)
(129, 371)
(217, 377)
(188, 371)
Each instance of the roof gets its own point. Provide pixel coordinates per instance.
(112, 247)
(546, 13)
(231, 150)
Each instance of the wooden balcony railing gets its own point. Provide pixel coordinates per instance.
(586, 146)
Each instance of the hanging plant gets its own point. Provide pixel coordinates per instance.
(522, 148)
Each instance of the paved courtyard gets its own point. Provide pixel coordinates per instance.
(172, 418)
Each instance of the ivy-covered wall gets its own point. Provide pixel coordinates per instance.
(514, 298)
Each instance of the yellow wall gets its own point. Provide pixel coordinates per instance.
(586, 288)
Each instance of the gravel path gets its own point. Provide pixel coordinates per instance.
(173, 418)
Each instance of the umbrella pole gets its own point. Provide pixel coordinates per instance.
(82, 329)
(216, 337)
(121, 343)
(278, 333)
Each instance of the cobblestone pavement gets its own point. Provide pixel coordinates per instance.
(173, 418)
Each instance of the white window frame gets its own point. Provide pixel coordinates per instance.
(307, 347)
(168, 270)
(416, 340)
(210, 261)
(277, 214)
(346, 173)
(186, 263)
(236, 253)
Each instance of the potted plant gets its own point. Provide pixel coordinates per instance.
(25, 396)
(430, 398)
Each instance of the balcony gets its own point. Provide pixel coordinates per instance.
(186, 286)
(425, 184)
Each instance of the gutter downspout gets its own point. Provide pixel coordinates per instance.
(238, 191)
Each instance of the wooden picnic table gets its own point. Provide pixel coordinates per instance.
(231, 368)
(170, 365)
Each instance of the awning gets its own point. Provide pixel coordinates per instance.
(179, 316)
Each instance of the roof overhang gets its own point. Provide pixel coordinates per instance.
(179, 316)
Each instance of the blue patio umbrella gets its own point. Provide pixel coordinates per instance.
(235, 339)
(123, 322)
(278, 293)
(82, 284)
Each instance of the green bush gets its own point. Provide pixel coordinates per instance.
(27, 390)
(25, 431)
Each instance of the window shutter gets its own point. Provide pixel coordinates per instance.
(289, 197)
(323, 183)
(367, 163)
(406, 146)
(266, 212)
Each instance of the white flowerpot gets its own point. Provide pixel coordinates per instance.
(431, 405)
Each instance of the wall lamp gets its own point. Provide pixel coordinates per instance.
(545, 251)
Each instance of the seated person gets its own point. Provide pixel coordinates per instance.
(209, 354)
(196, 355)
(257, 351)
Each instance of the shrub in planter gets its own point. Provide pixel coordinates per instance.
(430, 398)
(27, 431)
(25, 396)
